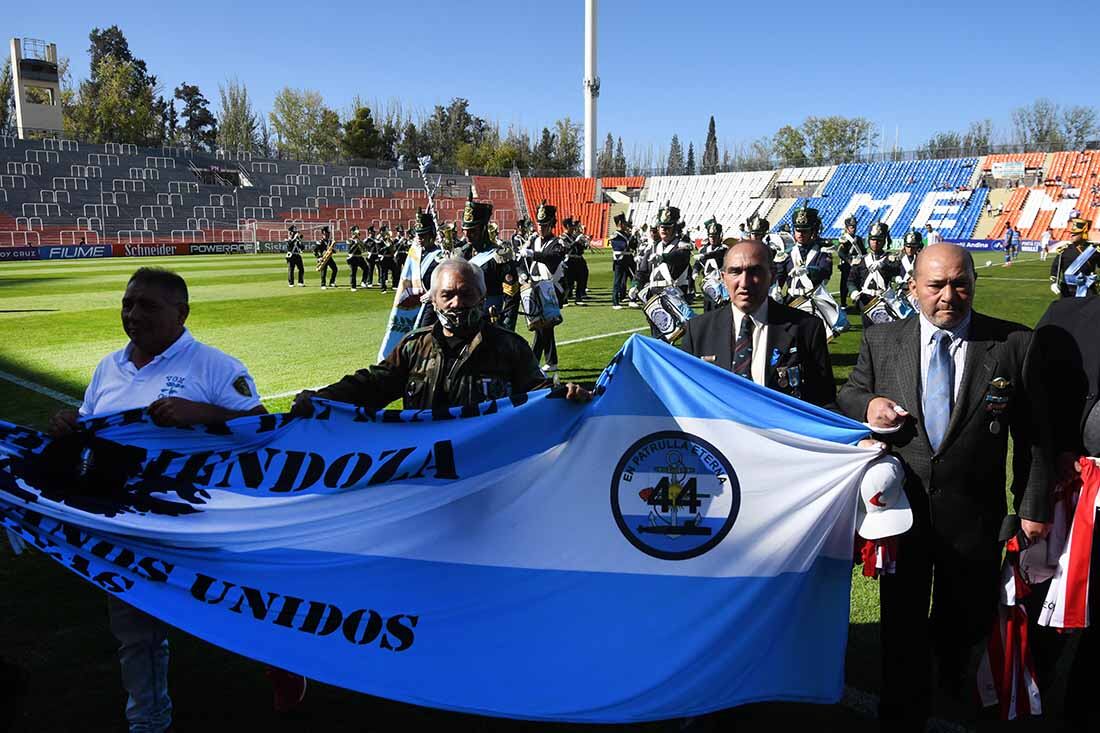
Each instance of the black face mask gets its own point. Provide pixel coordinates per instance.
(460, 321)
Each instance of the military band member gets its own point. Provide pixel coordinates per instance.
(911, 247)
(709, 262)
(370, 254)
(672, 256)
(355, 256)
(576, 268)
(873, 273)
(319, 250)
(401, 250)
(476, 217)
(644, 269)
(386, 254)
(758, 228)
(544, 255)
(294, 249)
(1078, 243)
(622, 259)
(807, 266)
(849, 249)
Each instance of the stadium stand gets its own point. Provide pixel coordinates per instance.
(1071, 183)
(903, 194)
(574, 197)
(730, 197)
(62, 192)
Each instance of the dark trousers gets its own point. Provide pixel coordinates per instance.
(294, 262)
(545, 345)
(576, 279)
(387, 269)
(618, 289)
(356, 264)
(329, 266)
(368, 278)
(963, 593)
(844, 270)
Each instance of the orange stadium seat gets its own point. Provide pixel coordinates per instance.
(574, 197)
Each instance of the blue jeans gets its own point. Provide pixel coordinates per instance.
(143, 656)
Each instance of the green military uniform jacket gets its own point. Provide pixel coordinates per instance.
(495, 364)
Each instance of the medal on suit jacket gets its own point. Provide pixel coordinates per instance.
(996, 401)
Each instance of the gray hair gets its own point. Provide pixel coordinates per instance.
(462, 267)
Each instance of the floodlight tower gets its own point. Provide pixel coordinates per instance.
(591, 88)
(36, 87)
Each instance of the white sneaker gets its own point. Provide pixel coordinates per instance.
(291, 284)
(323, 287)
(616, 307)
(353, 288)
(301, 285)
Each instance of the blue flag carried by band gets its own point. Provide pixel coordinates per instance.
(679, 545)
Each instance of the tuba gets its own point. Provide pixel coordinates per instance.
(326, 256)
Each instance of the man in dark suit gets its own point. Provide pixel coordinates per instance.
(1066, 365)
(945, 390)
(760, 339)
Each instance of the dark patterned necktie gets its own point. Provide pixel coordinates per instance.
(742, 349)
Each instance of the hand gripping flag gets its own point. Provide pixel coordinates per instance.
(678, 545)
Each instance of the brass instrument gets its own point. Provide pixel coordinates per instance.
(448, 236)
(326, 256)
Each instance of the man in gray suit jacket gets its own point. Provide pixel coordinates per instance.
(772, 344)
(944, 390)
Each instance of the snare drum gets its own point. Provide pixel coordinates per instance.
(668, 313)
(879, 310)
(538, 301)
(715, 289)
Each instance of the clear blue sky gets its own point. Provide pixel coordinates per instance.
(665, 67)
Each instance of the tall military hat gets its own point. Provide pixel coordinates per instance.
(851, 221)
(1079, 226)
(425, 222)
(880, 230)
(547, 213)
(759, 226)
(806, 218)
(292, 228)
(354, 228)
(569, 222)
(714, 229)
(476, 213)
(669, 216)
(620, 219)
(913, 239)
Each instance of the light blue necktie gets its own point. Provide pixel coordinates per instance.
(939, 389)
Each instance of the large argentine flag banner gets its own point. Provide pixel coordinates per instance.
(680, 544)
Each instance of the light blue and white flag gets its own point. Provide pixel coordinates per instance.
(678, 545)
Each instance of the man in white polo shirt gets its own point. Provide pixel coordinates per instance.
(182, 382)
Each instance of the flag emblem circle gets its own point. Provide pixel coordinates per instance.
(674, 495)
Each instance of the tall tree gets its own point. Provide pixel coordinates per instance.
(789, 145)
(605, 161)
(238, 126)
(327, 141)
(1037, 125)
(675, 164)
(542, 156)
(567, 145)
(1079, 126)
(295, 120)
(689, 165)
(7, 99)
(389, 139)
(620, 158)
(361, 137)
(200, 128)
(978, 139)
(709, 163)
(837, 139)
(114, 108)
(112, 43)
(411, 146)
(943, 145)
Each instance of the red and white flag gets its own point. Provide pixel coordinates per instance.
(1066, 605)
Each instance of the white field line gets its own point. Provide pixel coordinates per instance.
(32, 386)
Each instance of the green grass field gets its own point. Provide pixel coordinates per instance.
(57, 319)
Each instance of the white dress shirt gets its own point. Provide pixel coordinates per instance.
(959, 336)
(759, 339)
